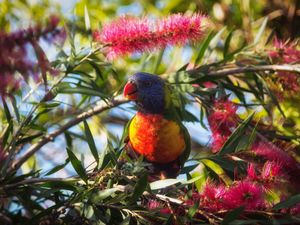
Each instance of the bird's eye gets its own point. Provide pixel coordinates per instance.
(148, 83)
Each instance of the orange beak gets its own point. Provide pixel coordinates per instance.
(130, 91)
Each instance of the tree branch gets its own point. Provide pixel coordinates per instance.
(37, 181)
(225, 72)
(79, 118)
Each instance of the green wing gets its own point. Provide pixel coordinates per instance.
(172, 112)
(186, 153)
(125, 136)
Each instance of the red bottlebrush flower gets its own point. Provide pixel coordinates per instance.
(271, 170)
(251, 173)
(222, 120)
(212, 197)
(209, 84)
(273, 153)
(126, 35)
(165, 211)
(271, 174)
(295, 210)
(286, 52)
(3, 155)
(13, 54)
(245, 193)
(153, 204)
(218, 141)
(178, 29)
(223, 116)
(131, 34)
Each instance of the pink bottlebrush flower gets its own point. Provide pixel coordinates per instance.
(128, 35)
(194, 198)
(271, 170)
(212, 197)
(14, 57)
(178, 29)
(165, 211)
(295, 210)
(245, 193)
(218, 141)
(153, 204)
(286, 52)
(271, 174)
(251, 173)
(222, 121)
(8, 84)
(3, 155)
(272, 153)
(223, 116)
(209, 84)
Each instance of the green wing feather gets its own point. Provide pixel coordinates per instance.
(172, 113)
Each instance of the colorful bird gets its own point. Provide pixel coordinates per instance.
(156, 131)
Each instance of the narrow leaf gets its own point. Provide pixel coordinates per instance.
(233, 215)
(91, 142)
(77, 165)
(103, 194)
(163, 183)
(234, 138)
(227, 44)
(260, 31)
(87, 19)
(288, 203)
(57, 168)
(139, 188)
(203, 48)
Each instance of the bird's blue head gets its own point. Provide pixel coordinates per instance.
(148, 92)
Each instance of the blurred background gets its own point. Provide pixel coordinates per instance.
(244, 17)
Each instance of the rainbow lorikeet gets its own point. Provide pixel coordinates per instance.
(156, 131)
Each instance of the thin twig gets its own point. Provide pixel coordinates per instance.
(36, 181)
(79, 118)
(225, 72)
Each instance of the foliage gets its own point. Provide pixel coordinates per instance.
(61, 149)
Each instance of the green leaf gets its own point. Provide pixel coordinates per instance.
(213, 43)
(103, 194)
(97, 70)
(231, 143)
(293, 200)
(233, 215)
(217, 169)
(91, 142)
(60, 185)
(14, 104)
(260, 31)
(203, 48)
(227, 44)
(192, 210)
(139, 188)
(77, 165)
(193, 180)
(57, 168)
(159, 184)
(82, 90)
(272, 96)
(6, 133)
(87, 19)
(6, 111)
(29, 138)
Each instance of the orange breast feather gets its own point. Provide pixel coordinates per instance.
(157, 139)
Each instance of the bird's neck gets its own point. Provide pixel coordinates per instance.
(151, 106)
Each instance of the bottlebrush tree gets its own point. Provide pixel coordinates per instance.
(242, 94)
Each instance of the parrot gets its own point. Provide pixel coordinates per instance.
(156, 131)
